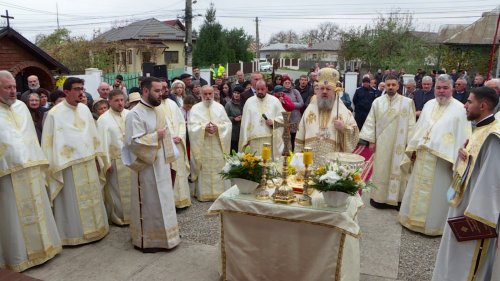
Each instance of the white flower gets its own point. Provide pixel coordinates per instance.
(330, 177)
(227, 167)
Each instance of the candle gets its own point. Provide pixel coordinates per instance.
(266, 152)
(308, 156)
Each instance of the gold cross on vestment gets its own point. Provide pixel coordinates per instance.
(287, 126)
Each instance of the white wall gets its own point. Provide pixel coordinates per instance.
(92, 77)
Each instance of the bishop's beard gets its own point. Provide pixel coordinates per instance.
(324, 103)
(208, 103)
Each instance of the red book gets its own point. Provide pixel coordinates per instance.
(466, 229)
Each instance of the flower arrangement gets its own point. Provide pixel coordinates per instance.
(335, 177)
(244, 165)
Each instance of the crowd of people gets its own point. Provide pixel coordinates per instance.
(133, 158)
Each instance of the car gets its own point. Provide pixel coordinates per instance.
(265, 66)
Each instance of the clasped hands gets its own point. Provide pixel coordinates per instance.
(211, 128)
(462, 153)
(339, 125)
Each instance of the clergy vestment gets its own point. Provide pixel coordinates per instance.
(71, 144)
(28, 232)
(207, 150)
(389, 125)
(153, 221)
(254, 131)
(439, 133)
(111, 129)
(477, 197)
(316, 130)
(175, 119)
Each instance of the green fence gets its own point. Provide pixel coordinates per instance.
(131, 79)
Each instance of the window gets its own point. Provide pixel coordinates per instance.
(129, 56)
(315, 56)
(122, 58)
(146, 56)
(171, 57)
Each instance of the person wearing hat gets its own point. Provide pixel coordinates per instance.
(119, 84)
(99, 107)
(286, 102)
(187, 79)
(327, 125)
(362, 100)
(133, 99)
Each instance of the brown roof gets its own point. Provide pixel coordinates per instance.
(480, 32)
(50, 62)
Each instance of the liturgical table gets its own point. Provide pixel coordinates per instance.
(262, 240)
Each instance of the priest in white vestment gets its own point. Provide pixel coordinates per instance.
(327, 125)
(441, 130)
(118, 177)
(176, 123)
(209, 131)
(72, 145)
(149, 151)
(260, 113)
(388, 129)
(475, 194)
(28, 232)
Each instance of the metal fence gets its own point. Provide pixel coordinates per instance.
(131, 79)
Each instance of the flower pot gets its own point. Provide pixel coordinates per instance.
(335, 199)
(245, 186)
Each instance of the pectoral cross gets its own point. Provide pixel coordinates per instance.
(287, 126)
(426, 137)
(7, 17)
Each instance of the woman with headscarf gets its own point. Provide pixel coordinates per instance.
(36, 113)
(296, 98)
(234, 110)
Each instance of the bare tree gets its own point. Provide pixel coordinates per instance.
(323, 32)
(288, 36)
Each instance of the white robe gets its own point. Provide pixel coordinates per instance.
(389, 125)
(71, 144)
(480, 201)
(111, 128)
(438, 135)
(28, 232)
(153, 220)
(181, 166)
(255, 132)
(316, 130)
(207, 150)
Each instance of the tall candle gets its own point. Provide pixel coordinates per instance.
(266, 151)
(308, 156)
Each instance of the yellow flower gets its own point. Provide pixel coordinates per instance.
(356, 177)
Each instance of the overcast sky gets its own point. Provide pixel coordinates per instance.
(33, 17)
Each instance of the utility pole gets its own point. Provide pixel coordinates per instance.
(188, 59)
(57, 12)
(257, 42)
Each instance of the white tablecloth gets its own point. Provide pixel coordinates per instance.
(261, 240)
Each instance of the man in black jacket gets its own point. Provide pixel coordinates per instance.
(362, 100)
(460, 93)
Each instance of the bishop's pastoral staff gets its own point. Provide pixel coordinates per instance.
(118, 177)
(72, 145)
(388, 129)
(28, 232)
(327, 125)
(257, 123)
(441, 130)
(209, 131)
(475, 198)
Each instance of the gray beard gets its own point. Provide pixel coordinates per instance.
(324, 103)
(208, 103)
(34, 88)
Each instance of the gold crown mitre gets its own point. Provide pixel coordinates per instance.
(328, 76)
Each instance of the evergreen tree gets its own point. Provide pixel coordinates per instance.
(237, 42)
(211, 45)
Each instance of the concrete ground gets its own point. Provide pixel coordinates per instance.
(388, 253)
